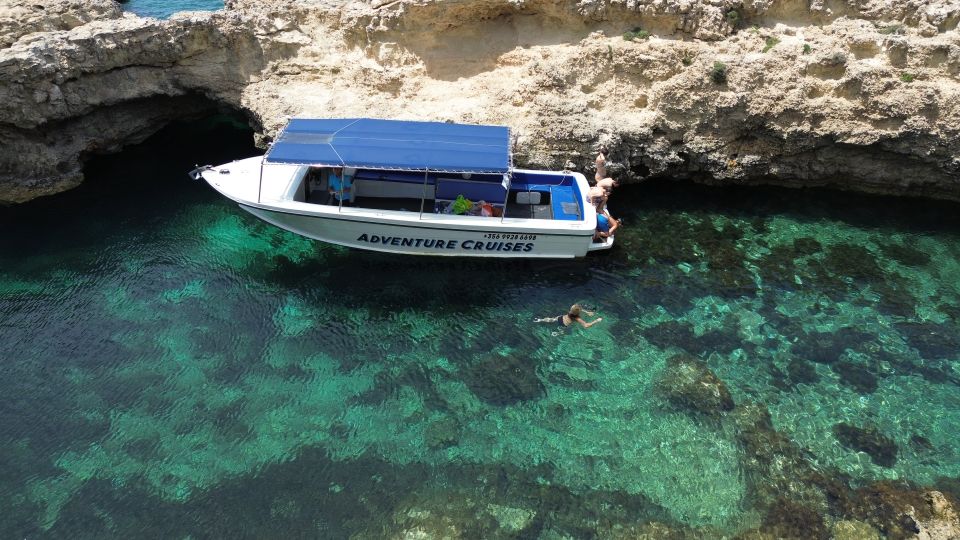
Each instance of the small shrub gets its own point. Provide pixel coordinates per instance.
(806, 48)
(636, 33)
(755, 28)
(891, 29)
(719, 73)
(771, 43)
(733, 18)
(907, 77)
(686, 59)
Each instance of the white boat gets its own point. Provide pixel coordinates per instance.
(405, 178)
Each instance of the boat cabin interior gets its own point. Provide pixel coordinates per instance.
(532, 194)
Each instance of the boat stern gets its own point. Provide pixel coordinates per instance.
(606, 243)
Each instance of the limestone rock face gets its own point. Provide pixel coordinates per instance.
(857, 95)
(942, 520)
(19, 18)
(66, 95)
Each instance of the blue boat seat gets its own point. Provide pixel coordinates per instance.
(565, 204)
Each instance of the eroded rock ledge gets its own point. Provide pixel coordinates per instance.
(862, 95)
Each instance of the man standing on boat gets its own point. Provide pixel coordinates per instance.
(340, 186)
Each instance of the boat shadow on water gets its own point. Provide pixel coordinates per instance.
(379, 280)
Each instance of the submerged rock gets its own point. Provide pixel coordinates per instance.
(822, 278)
(828, 347)
(932, 340)
(688, 383)
(819, 348)
(798, 498)
(905, 255)
(442, 433)
(777, 468)
(510, 519)
(856, 376)
(779, 268)
(850, 529)
(680, 335)
(807, 246)
(881, 449)
(670, 334)
(951, 311)
(788, 519)
(896, 298)
(725, 261)
(778, 379)
(802, 372)
(505, 380)
(852, 261)
(919, 443)
(798, 372)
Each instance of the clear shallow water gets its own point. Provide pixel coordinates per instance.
(162, 9)
(172, 363)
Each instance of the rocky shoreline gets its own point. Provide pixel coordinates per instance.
(861, 96)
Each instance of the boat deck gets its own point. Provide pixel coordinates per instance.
(514, 210)
(552, 201)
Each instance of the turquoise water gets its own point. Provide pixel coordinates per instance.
(162, 9)
(172, 364)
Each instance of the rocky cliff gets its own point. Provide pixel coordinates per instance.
(859, 94)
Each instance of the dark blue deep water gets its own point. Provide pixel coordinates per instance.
(170, 364)
(162, 9)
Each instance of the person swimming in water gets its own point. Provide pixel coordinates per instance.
(570, 317)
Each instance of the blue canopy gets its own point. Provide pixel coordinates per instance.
(393, 144)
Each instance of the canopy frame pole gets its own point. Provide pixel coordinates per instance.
(506, 197)
(260, 185)
(423, 192)
(340, 190)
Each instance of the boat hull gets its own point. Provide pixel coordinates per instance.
(424, 238)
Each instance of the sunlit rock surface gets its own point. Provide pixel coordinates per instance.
(19, 18)
(862, 96)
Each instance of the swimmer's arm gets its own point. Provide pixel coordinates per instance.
(586, 324)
